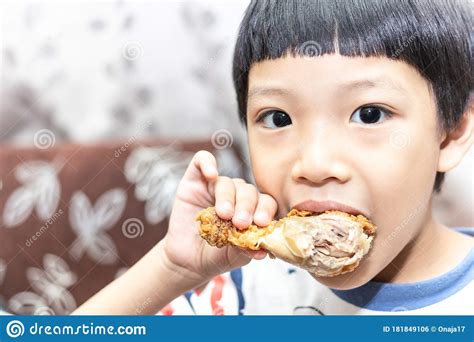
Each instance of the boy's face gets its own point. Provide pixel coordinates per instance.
(359, 131)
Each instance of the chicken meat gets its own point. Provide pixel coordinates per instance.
(325, 244)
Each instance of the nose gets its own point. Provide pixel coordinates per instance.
(322, 157)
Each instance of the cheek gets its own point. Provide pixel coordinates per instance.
(406, 166)
(269, 176)
(400, 183)
(269, 169)
(397, 162)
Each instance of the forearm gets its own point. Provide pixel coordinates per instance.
(144, 289)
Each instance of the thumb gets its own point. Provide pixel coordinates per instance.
(221, 260)
(237, 258)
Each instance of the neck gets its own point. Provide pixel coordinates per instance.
(434, 251)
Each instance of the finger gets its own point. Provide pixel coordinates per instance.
(224, 197)
(202, 164)
(265, 211)
(246, 197)
(259, 255)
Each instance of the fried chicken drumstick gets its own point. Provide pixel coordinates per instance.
(325, 244)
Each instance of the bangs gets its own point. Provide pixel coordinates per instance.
(431, 36)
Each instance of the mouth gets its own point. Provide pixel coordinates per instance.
(322, 206)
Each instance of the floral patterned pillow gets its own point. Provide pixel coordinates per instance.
(74, 217)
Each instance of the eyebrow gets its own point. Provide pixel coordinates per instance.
(262, 91)
(383, 83)
(356, 85)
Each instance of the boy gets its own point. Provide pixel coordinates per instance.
(360, 106)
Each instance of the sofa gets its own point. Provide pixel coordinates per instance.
(74, 217)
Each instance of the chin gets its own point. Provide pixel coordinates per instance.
(346, 281)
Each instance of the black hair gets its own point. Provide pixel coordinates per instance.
(434, 36)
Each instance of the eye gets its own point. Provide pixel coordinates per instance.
(274, 119)
(370, 115)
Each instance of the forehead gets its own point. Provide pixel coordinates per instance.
(334, 73)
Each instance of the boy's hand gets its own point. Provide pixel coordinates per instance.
(202, 187)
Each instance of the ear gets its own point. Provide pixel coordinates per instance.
(458, 141)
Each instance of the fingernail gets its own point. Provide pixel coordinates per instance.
(260, 255)
(210, 169)
(242, 216)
